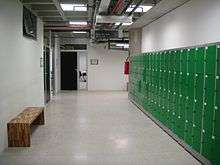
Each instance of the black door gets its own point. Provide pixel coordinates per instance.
(68, 71)
(46, 74)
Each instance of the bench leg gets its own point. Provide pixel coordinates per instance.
(40, 119)
(19, 135)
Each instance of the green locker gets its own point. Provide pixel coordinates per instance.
(207, 145)
(188, 133)
(196, 144)
(211, 54)
(177, 61)
(191, 60)
(218, 61)
(208, 118)
(183, 64)
(200, 60)
(172, 61)
(217, 118)
(215, 159)
(198, 114)
(182, 106)
(189, 107)
(183, 85)
(199, 87)
(176, 104)
(210, 82)
(191, 85)
(171, 82)
(181, 88)
(180, 127)
(176, 84)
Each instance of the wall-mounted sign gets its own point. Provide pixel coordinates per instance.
(94, 61)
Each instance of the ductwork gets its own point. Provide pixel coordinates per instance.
(113, 19)
(104, 5)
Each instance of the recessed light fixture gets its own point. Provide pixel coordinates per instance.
(67, 7)
(124, 24)
(79, 32)
(123, 45)
(80, 8)
(73, 7)
(140, 9)
(78, 22)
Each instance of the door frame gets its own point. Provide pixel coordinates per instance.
(61, 51)
(47, 98)
(78, 81)
(78, 66)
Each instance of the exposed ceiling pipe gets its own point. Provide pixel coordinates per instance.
(96, 3)
(118, 6)
(90, 10)
(57, 4)
(133, 10)
(113, 19)
(67, 28)
(126, 7)
(104, 5)
(95, 11)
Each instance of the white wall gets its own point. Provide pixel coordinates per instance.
(82, 60)
(108, 74)
(195, 23)
(21, 80)
(135, 41)
(57, 64)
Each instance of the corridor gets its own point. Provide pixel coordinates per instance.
(97, 128)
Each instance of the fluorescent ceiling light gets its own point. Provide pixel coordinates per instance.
(79, 32)
(67, 7)
(124, 24)
(78, 22)
(73, 7)
(140, 9)
(123, 45)
(80, 8)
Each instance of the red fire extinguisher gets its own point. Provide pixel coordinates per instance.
(126, 67)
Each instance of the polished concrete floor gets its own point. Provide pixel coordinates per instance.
(97, 128)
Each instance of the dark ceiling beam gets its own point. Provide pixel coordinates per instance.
(74, 1)
(42, 14)
(43, 7)
(38, 3)
(52, 19)
(39, 11)
(65, 28)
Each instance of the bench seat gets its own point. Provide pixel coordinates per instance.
(19, 128)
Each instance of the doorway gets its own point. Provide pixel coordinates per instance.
(82, 70)
(46, 74)
(68, 70)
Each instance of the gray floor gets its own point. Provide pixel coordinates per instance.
(97, 128)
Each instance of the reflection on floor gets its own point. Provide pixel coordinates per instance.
(97, 128)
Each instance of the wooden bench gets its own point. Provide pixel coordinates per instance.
(19, 128)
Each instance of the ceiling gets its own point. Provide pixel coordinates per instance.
(57, 20)
(162, 8)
